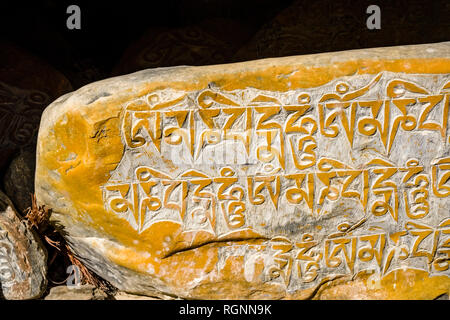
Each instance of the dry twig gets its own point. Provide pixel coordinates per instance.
(38, 217)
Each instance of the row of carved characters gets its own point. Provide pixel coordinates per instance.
(199, 195)
(20, 113)
(145, 123)
(8, 272)
(309, 260)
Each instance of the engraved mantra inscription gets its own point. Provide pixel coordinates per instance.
(20, 113)
(9, 271)
(361, 150)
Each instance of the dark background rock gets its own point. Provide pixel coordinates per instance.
(306, 27)
(110, 32)
(19, 179)
(27, 85)
(213, 41)
(108, 29)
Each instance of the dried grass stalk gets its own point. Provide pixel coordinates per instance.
(38, 217)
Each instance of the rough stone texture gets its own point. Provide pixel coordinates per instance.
(23, 258)
(19, 179)
(310, 177)
(27, 86)
(83, 292)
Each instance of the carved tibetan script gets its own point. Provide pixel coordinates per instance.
(351, 175)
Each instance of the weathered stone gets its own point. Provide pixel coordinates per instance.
(27, 86)
(82, 292)
(19, 179)
(320, 176)
(23, 258)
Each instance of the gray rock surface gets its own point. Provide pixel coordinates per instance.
(23, 258)
(82, 292)
(19, 179)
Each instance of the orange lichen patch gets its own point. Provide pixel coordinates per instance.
(233, 269)
(191, 239)
(297, 75)
(191, 266)
(308, 76)
(400, 284)
(134, 260)
(180, 270)
(158, 238)
(78, 161)
(230, 278)
(171, 167)
(241, 234)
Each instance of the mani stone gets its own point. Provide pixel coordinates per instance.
(308, 177)
(23, 258)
